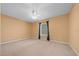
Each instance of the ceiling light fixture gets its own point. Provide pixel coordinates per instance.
(34, 14)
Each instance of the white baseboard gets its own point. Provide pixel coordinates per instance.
(75, 50)
(13, 41)
(60, 42)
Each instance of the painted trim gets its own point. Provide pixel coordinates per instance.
(12, 41)
(74, 50)
(60, 42)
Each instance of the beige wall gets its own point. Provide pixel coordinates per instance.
(15, 29)
(0, 28)
(74, 27)
(35, 30)
(59, 29)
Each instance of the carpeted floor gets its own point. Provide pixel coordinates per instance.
(36, 48)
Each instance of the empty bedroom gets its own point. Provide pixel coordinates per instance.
(39, 29)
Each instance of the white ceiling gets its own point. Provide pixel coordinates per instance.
(44, 10)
